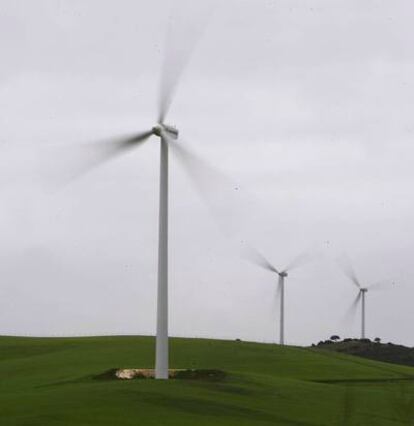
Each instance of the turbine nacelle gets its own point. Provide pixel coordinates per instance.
(171, 131)
(283, 274)
(363, 290)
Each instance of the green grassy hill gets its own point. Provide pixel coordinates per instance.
(50, 381)
(385, 352)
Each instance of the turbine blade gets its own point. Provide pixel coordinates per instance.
(298, 261)
(254, 256)
(202, 173)
(380, 285)
(82, 158)
(185, 28)
(351, 311)
(348, 270)
(276, 298)
(278, 290)
(220, 193)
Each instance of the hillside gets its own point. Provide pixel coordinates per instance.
(52, 381)
(385, 352)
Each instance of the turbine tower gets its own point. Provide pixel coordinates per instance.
(258, 259)
(282, 276)
(362, 292)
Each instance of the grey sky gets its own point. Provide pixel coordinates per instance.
(305, 105)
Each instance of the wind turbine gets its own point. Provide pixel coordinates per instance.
(362, 292)
(173, 66)
(258, 259)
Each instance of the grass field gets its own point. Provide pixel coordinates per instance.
(51, 381)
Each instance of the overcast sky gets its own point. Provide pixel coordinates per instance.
(306, 109)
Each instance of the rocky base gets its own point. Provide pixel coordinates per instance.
(146, 373)
(140, 373)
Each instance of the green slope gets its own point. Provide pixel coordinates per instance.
(51, 382)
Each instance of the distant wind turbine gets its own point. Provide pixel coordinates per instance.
(258, 259)
(362, 291)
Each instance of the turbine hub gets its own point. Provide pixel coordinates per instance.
(171, 131)
(156, 130)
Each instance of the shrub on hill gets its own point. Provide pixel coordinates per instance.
(389, 352)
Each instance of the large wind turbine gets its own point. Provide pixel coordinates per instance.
(261, 261)
(362, 292)
(172, 70)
